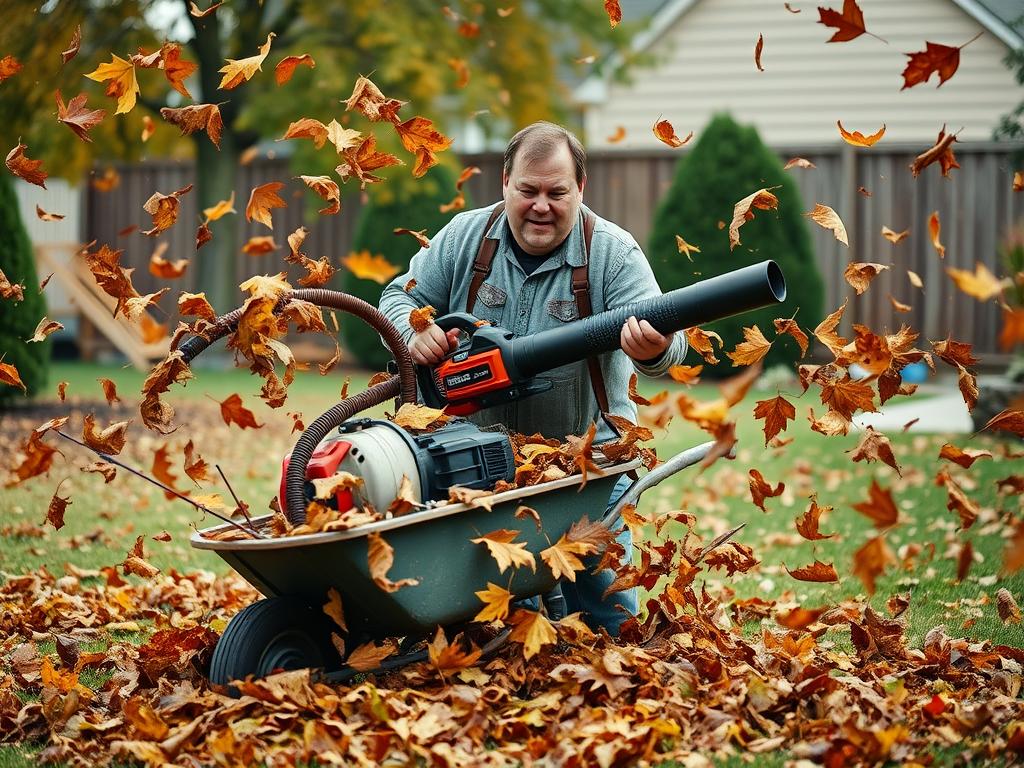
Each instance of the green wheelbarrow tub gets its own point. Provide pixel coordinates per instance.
(432, 546)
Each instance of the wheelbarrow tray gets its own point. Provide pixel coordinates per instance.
(432, 546)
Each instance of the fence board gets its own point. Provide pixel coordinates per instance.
(976, 207)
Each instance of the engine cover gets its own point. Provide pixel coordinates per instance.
(382, 453)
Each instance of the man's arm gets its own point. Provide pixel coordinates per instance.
(632, 281)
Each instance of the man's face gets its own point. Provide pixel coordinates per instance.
(542, 200)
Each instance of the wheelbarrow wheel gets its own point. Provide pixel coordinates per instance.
(278, 633)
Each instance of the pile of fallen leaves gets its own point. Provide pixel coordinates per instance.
(836, 686)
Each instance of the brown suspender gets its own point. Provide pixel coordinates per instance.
(580, 290)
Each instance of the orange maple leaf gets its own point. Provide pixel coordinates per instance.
(29, 170)
(418, 135)
(9, 66)
(261, 200)
(232, 411)
(943, 59)
(286, 67)
(365, 159)
(368, 99)
(849, 24)
(775, 412)
(164, 209)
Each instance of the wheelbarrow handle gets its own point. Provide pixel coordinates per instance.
(666, 469)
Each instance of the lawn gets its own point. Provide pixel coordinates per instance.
(104, 520)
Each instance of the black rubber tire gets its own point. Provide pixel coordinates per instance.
(277, 633)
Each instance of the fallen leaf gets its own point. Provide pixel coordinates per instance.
(450, 658)
(420, 417)
(369, 655)
(829, 219)
(858, 139)
(531, 628)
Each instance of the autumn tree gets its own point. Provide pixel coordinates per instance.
(21, 311)
(728, 163)
(497, 64)
(410, 206)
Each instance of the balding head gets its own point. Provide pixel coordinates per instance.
(539, 141)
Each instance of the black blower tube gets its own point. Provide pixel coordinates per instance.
(741, 290)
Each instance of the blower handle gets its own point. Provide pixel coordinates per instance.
(741, 290)
(432, 395)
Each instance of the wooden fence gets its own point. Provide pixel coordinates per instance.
(976, 207)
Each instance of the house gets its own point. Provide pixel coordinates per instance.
(703, 53)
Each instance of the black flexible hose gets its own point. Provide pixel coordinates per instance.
(402, 386)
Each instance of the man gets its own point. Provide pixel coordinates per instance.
(537, 243)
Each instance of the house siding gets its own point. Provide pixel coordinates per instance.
(704, 64)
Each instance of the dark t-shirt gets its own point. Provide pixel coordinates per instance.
(527, 261)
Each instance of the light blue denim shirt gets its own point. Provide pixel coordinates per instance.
(619, 275)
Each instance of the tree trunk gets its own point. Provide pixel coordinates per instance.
(215, 181)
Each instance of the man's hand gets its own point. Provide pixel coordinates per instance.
(430, 345)
(641, 341)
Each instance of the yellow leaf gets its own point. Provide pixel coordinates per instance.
(829, 219)
(533, 630)
(496, 600)
(123, 85)
(506, 552)
(858, 139)
(751, 350)
(221, 209)
(261, 200)
(238, 71)
(981, 284)
(367, 266)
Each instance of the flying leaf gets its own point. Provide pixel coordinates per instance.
(807, 523)
(123, 86)
(496, 601)
(941, 152)
(505, 551)
(259, 245)
(238, 71)
(758, 49)
(286, 67)
(368, 99)
(700, 341)
(148, 128)
(195, 305)
(168, 270)
(666, 134)
(367, 266)
(419, 136)
(943, 59)
(327, 188)
(899, 306)
(29, 170)
(617, 136)
(858, 139)
(77, 117)
(461, 69)
(197, 117)
(9, 66)
(232, 411)
(880, 507)
(611, 7)
(195, 467)
(420, 235)
(196, 13)
(55, 511)
(1006, 606)
(798, 162)
(109, 441)
(789, 326)
(685, 248)
(860, 274)
(450, 658)
(531, 628)
(343, 139)
(261, 200)
(1008, 420)
(817, 571)
(44, 328)
(307, 128)
(775, 412)
(964, 457)
(363, 160)
(934, 227)
(871, 560)
(1018, 181)
(43, 216)
(742, 212)
(894, 237)
(381, 557)
(164, 209)
(686, 374)
(915, 279)
(109, 391)
(420, 417)
(761, 489)
(754, 347)
(849, 24)
(874, 446)
(980, 284)
(829, 219)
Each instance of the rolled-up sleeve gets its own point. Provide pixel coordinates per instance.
(634, 280)
(431, 268)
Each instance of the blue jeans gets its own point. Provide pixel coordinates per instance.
(584, 594)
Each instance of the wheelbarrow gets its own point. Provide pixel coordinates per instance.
(288, 629)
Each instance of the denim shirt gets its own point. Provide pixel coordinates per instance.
(619, 274)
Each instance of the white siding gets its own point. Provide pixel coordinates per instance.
(59, 236)
(705, 64)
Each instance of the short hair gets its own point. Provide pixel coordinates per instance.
(538, 140)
